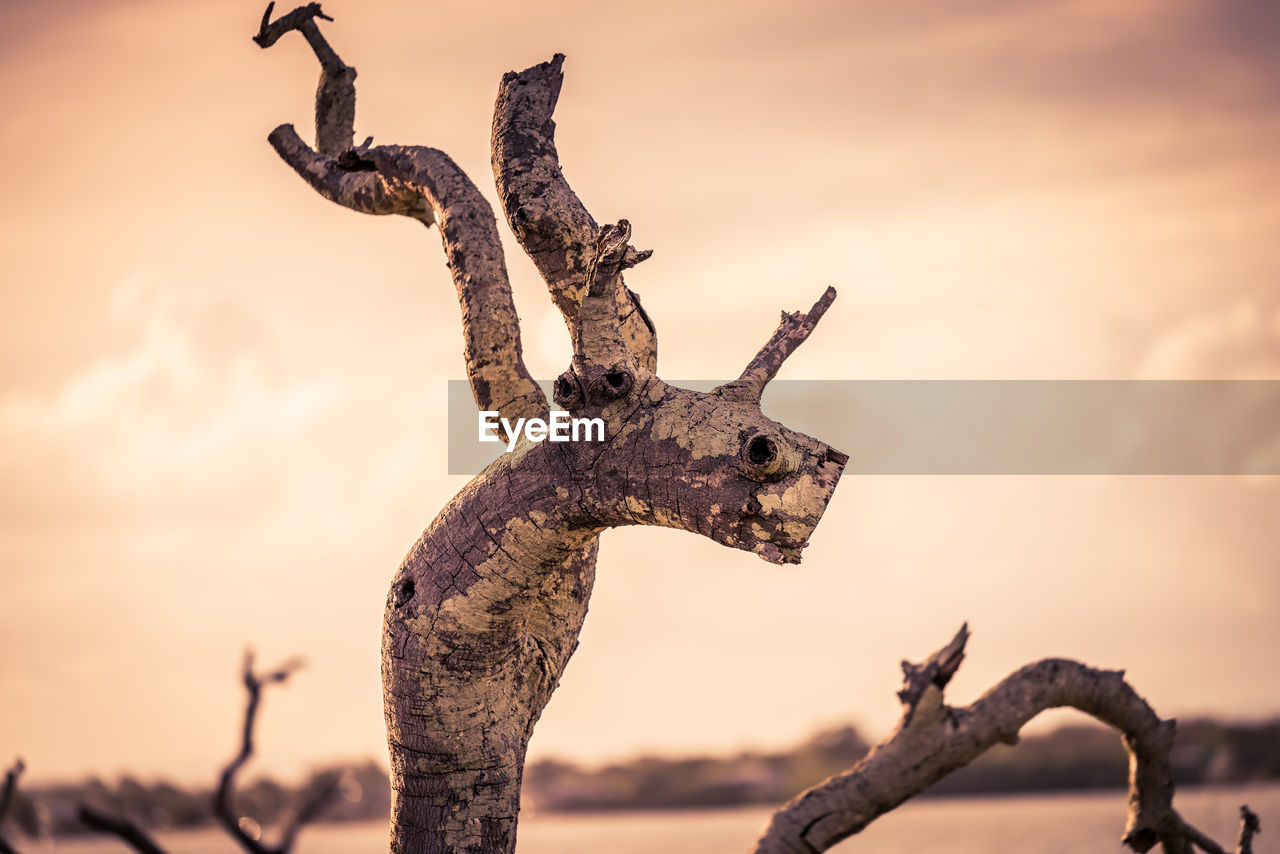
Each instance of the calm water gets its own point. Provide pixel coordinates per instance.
(1033, 824)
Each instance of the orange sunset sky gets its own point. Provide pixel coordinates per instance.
(222, 399)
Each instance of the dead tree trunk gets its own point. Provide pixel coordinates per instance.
(486, 608)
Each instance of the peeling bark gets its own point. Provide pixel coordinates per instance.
(545, 214)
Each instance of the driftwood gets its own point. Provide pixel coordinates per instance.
(933, 739)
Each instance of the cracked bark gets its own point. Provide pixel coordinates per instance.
(486, 608)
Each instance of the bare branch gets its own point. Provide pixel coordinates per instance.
(336, 94)
(794, 329)
(127, 831)
(360, 189)
(933, 739)
(222, 806)
(424, 184)
(544, 212)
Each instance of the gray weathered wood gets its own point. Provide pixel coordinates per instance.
(486, 608)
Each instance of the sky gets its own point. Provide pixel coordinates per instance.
(222, 399)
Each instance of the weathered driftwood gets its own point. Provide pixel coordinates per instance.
(934, 739)
(486, 608)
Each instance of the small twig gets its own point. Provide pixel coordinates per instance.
(302, 19)
(336, 94)
(124, 829)
(793, 331)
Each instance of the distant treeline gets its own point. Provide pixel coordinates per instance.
(1071, 758)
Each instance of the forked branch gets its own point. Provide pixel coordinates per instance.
(423, 184)
(313, 802)
(336, 95)
(934, 739)
(553, 226)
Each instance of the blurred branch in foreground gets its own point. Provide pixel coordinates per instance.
(128, 832)
(244, 830)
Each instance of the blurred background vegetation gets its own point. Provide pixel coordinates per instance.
(1066, 759)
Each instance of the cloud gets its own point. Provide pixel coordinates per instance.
(1237, 341)
(175, 417)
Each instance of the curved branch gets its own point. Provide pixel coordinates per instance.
(423, 184)
(222, 807)
(125, 830)
(336, 94)
(933, 739)
(546, 215)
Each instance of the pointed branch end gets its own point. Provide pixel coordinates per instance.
(935, 670)
(635, 256)
(612, 250)
(820, 307)
(793, 330)
(270, 32)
